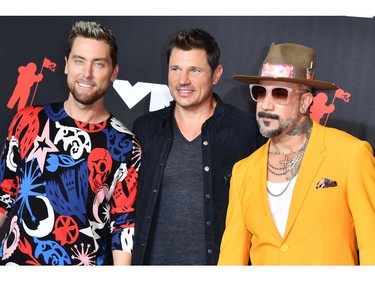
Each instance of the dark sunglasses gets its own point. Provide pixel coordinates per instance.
(280, 95)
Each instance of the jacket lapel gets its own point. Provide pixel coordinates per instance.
(313, 157)
(260, 191)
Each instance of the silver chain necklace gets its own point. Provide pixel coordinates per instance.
(282, 192)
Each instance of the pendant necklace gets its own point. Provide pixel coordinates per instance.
(288, 167)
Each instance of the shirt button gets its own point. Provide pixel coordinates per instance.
(209, 251)
(205, 143)
(206, 168)
(284, 248)
(208, 196)
(208, 223)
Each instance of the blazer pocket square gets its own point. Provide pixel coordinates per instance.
(325, 183)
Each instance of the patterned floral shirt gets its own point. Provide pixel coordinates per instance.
(68, 189)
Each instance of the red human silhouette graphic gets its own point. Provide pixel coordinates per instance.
(319, 107)
(26, 79)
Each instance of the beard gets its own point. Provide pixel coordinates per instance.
(284, 124)
(84, 98)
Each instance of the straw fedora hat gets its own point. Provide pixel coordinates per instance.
(289, 62)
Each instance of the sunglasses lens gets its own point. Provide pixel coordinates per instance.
(280, 95)
(258, 93)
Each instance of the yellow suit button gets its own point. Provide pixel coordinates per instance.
(284, 248)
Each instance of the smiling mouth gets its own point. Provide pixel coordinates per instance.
(185, 90)
(85, 85)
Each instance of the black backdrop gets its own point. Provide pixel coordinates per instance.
(345, 49)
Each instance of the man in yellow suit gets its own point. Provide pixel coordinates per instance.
(306, 197)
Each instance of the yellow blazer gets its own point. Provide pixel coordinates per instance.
(325, 226)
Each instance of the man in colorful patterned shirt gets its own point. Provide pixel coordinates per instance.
(69, 170)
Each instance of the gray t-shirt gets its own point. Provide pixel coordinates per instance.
(177, 235)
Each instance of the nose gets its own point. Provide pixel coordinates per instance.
(184, 78)
(268, 103)
(87, 70)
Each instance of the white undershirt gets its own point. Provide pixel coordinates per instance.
(280, 205)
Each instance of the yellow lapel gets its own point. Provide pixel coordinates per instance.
(311, 162)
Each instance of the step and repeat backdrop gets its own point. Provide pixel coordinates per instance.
(32, 51)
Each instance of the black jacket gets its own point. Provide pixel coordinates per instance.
(228, 136)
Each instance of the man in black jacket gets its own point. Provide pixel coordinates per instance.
(188, 151)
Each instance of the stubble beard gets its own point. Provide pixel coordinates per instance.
(83, 98)
(283, 126)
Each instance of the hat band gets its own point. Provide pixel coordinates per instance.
(287, 71)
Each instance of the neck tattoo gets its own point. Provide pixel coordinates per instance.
(287, 164)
